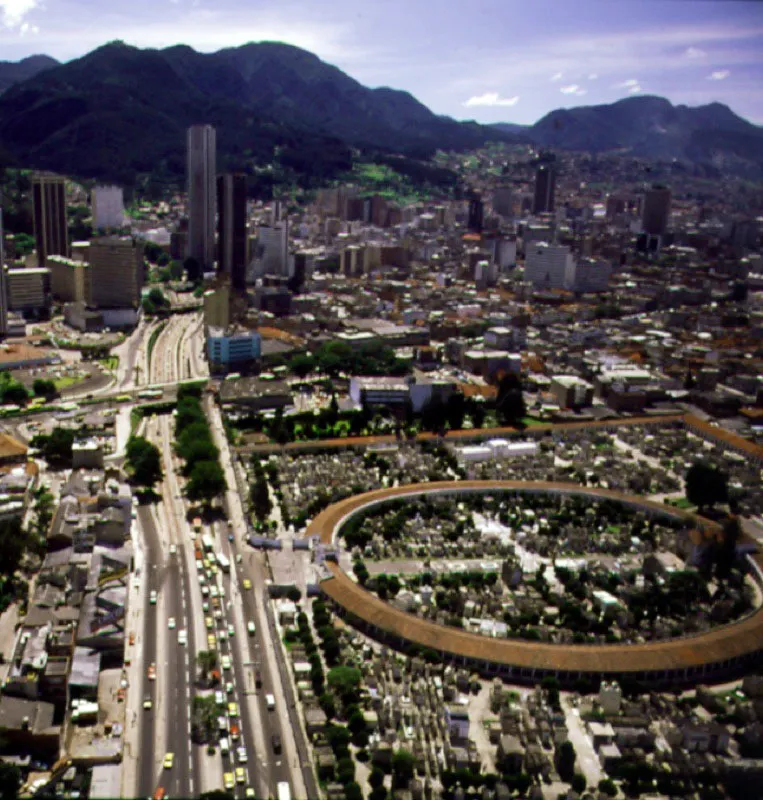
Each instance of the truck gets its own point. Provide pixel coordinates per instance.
(284, 792)
(223, 562)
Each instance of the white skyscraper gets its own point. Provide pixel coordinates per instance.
(108, 207)
(201, 195)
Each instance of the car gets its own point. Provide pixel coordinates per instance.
(247, 583)
(160, 793)
(169, 760)
(250, 628)
(214, 591)
(232, 709)
(200, 566)
(238, 558)
(211, 641)
(202, 580)
(229, 687)
(225, 662)
(171, 623)
(222, 635)
(240, 775)
(218, 614)
(235, 733)
(231, 630)
(152, 597)
(228, 780)
(241, 755)
(173, 549)
(148, 703)
(258, 680)
(209, 622)
(250, 792)
(205, 606)
(275, 740)
(152, 671)
(183, 637)
(132, 638)
(231, 537)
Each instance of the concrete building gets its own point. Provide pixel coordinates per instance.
(50, 225)
(28, 289)
(232, 348)
(217, 307)
(656, 211)
(231, 229)
(588, 275)
(116, 272)
(547, 265)
(201, 145)
(68, 279)
(108, 207)
(271, 252)
(569, 391)
(545, 186)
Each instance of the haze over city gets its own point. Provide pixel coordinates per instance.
(491, 60)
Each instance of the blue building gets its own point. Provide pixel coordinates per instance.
(232, 348)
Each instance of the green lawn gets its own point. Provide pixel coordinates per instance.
(66, 382)
(110, 362)
(530, 422)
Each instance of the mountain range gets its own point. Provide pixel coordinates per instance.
(119, 112)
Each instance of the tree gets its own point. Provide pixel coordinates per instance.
(302, 365)
(376, 778)
(152, 251)
(403, 767)
(57, 447)
(14, 392)
(578, 782)
(176, 270)
(207, 481)
(192, 269)
(510, 403)
(706, 485)
(566, 757)
(217, 794)
(144, 461)
(42, 387)
(608, 786)
(10, 781)
(206, 661)
(726, 551)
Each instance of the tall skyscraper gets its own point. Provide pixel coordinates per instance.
(108, 207)
(476, 214)
(231, 229)
(656, 210)
(3, 282)
(545, 185)
(201, 195)
(50, 228)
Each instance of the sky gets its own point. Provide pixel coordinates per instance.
(488, 60)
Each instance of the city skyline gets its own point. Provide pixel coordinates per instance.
(496, 62)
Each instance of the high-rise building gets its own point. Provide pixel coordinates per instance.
(655, 212)
(545, 186)
(271, 253)
(476, 214)
(68, 279)
(28, 289)
(546, 265)
(108, 207)
(116, 272)
(50, 228)
(201, 195)
(231, 229)
(3, 285)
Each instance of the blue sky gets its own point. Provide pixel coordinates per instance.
(489, 60)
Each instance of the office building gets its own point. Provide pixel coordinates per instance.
(588, 275)
(232, 348)
(271, 252)
(201, 195)
(68, 279)
(108, 207)
(116, 272)
(655, 212)
(546, 265)
(476, 214)
(28, 290)
(545, 185)
(570, 391)
(231, 229)
(49, 205)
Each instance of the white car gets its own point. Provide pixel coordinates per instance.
(231, 630)
(183, 636)
(229, 687)
(173, 549)
(241, 755)
(171, 623)
(152, 597)
(222, 635)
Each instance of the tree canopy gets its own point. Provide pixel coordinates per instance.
(144, 461)
(706, 485)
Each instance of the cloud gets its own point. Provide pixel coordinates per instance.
(557, 76)
(593, 76)
(627, 84)
(719, 75)
(694, 52)
(12, 12)
(491, 99)
(573, 88)
(634, 89)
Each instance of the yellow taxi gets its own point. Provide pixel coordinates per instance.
(228, 781)
(247, 583)
(169, 760)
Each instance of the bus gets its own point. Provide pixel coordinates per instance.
(207, 543)
(284, 793)
(151, 394)
(223, 562)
